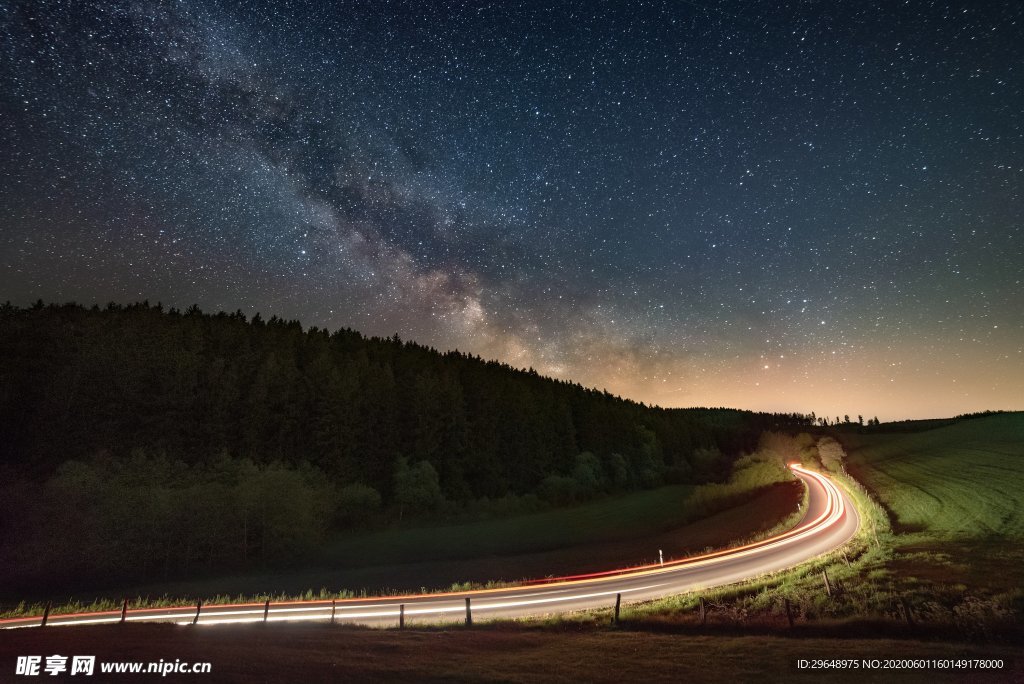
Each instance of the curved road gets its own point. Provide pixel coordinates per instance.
(830, 520)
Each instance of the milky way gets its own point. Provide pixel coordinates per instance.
(796, 206)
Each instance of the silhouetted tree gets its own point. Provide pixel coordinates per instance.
(417, 488)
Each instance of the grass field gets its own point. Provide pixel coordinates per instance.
(955, 496)
(965, 481)
(602, 521)
(650, 513)
(322, 653)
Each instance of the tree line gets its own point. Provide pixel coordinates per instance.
(76, 381)
(121, 410)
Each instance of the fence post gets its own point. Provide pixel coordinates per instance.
(401, 616)
(334, 606)
(906, 612)
(789, 613)
(828, 587)
(266, 610)
(618, 605)
(46, 614)
(124, 611)
(469, 614)
(199, 607)
(703, 612)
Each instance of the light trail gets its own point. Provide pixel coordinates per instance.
(830, 521)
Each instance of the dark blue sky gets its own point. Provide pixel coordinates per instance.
(788, 206)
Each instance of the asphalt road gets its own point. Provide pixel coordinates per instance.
(829, 521)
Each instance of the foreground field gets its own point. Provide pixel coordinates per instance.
(321, 653)
(965, 481)
(955, 496)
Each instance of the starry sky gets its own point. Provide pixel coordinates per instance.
(786, 206)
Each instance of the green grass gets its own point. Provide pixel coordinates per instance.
(962, 482)
(606, 520)
(954, 495)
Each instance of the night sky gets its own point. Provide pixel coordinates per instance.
(794, 206)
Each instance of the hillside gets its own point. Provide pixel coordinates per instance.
(954, 495)
(961, 481)
(160, 442)
(77, 381)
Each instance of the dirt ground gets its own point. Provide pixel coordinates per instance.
(325, 653)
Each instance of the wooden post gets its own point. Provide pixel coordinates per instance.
(46, 614)
(124, 611)
(334, 606)
(828, 587)
(789, 613)
(618, 605)
(469, 614)
(199, 607)
(846, 558)
(703, 612)
(401, 616)
(266, 610)
(906, 612)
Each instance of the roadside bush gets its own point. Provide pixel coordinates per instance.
(357, 504)
(617, 469)
(588, 475)
(558, 490)
(417, 488)
(150, 514)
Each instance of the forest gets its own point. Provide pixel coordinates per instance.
(187, 439)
